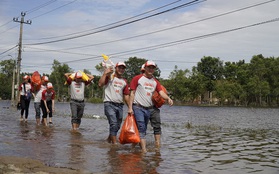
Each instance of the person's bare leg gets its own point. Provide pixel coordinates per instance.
(157, 140)
(75, 126)
(38, 121)
(143, 145)
(109, 139)
(45, 121)
(113, 139)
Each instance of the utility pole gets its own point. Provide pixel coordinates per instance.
(20, 45)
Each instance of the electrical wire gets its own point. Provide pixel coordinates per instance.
(113, 22)
(120, 25)
(170, 28)
(54, 9)
(177, 42)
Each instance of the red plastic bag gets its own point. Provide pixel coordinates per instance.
(158, 101)
(129, 131)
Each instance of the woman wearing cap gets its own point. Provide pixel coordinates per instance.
(77, 86)
(142, 88)
(115, 91)
(38, 102)
(25, 96)
(48, 96)
(44, 80)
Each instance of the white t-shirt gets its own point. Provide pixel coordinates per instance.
(115, 89)
(144, 89)
(77, 90)
(38, 94)
(27, 88)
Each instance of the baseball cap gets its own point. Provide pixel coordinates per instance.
(49, 85)
(150, 63)
(142, 67)
(120, 64)
(45, 78)
(78, 75)
(26, 77)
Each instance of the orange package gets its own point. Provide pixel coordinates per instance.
(158, 101)
(129, 131)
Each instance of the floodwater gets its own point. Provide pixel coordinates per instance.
(195, 140)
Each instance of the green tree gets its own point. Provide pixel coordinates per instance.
(58, 79)
(212, 69)
(133, 65)
(6, 78)
(179, 84)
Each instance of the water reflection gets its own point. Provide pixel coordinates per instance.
(195, 140)
(76, 149)
(124, 162)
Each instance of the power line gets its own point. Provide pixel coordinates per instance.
(114, 22)
(177, 42)
(170, 28)
(55, 9)
(120, 25)
(8, 50)
(31, 10)
(40, 6)
(169, 44)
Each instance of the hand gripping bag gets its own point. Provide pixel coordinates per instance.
(129, 132)
(158, 101)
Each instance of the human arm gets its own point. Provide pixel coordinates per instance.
(166, 97)
(66, 75)
(52, 102)
(45, 103)
(131, 100)
(91, 77)
(126, 99)
(104, 77)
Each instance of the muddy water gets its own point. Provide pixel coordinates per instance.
(207, 140)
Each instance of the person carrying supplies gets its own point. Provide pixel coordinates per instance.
(140, 103)
(77, 87)
(115, 91)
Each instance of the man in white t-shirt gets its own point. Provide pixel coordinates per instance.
(142, 88)
(77, 97)
(115, 91)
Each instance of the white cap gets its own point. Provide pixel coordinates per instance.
(49, 85)
(78, 75)
(150, 63)
(120, 64)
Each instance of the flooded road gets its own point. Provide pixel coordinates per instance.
(195, 140)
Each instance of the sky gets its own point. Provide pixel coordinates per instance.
(78, 32)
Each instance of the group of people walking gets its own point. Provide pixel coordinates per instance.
(137, 96)
(43, 100)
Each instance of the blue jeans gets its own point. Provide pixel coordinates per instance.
(142, 117)
(114, 113)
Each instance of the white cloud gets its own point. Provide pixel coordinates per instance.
(85, 15)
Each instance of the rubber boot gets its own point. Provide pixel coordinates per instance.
(143, 145)
(157, 141)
